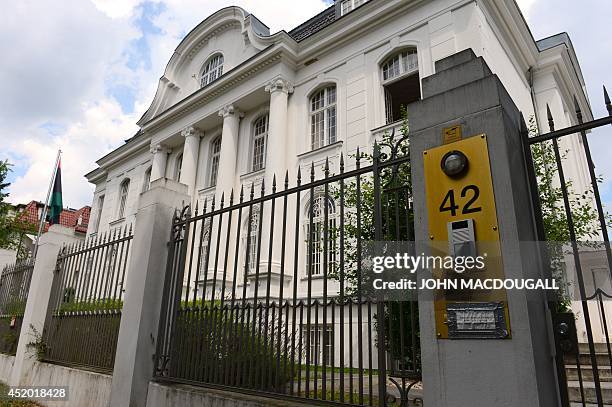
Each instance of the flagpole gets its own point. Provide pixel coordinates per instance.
(44, 212)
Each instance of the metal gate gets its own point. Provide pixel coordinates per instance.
(263, 288)
(580, 324)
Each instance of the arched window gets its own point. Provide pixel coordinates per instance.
(400, 77)
(124, 189)
(213, 69)
(260, 136)
(323, 117)
(215, 153)
(178, 165)
(319, 234)
(252, 239)
(204, 250)
(146, 182)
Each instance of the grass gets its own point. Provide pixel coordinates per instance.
(7, 401)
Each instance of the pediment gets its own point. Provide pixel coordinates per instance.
(231, 32)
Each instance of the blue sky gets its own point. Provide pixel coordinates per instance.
(86, 70)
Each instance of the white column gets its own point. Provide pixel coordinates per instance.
(160, 158)
(277, 130)
(191, 151)
(229, 150)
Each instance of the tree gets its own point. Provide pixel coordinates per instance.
(13, 227)
(554, 216)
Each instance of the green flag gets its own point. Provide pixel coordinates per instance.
(55, 203)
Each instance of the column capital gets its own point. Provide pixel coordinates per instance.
(191, 131)
(230, 110)
(159, 148)
(279, 85)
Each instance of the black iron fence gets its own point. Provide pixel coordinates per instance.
(14, 288)
(86, 300)
(263, 289)
(566, 214)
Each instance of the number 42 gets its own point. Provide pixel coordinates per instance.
(449, 203)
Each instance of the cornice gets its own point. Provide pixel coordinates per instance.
(220, 86)
(201, 43)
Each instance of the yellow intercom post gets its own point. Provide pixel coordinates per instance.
(463, 219)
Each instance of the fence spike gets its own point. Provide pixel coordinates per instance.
(299, 176)
(222, 199)
(241, 193)
(551, 122)
(205, 205)
(263, 187)
(341, 162)
(274, 183)
(212, 206)
(312, 172)
(577, 108)
(231, 201)
(358, 161)
(286, 179)
(130, 229)
(252, 190)
(197, 207)
(607, 100)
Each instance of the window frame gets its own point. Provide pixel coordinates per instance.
(254, 140)
(211, 73)
(215, 156)
(353, 4)
(324, 117)
(403, 64)
(318, 244)
(146, 185)
(99, 212)
(124, 192)
(178, 167)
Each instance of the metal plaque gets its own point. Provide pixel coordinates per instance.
(476, 320)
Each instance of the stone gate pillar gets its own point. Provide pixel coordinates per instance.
(518, 370)
(144, 287)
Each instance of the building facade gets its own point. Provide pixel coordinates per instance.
(237, 106)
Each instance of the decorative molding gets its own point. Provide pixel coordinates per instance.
(202, 43)
(279, 84)
(192, 132)
(230, 110)
(160, 148)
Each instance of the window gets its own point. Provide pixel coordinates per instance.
(321, 344)
(123, 195)
(178, 167)
(212, 70)
(215, 153)
(99, 212)
(320, 236)
(400, 75)
(146, 183)
(252, 240)
(349, 5)
(323, 117)
(260, 135)
(204, 249)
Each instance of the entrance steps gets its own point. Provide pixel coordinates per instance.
(605, 375)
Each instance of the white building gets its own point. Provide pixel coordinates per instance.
(235, 103)
(238, 104)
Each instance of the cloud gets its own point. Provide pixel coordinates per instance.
(78, 74)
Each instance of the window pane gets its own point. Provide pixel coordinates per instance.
(331, 124)
(317, 122)
(346, 6)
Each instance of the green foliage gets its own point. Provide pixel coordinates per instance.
(38, 345)
(231, 341)
(554, 216)
(12, 228)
